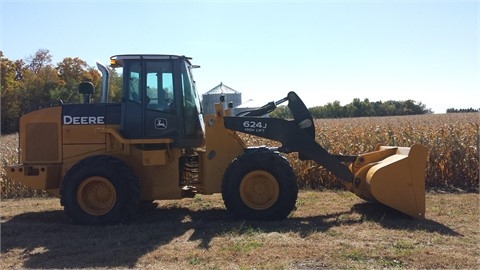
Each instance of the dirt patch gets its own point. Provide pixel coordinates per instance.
(328, 230)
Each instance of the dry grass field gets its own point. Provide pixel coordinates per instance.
(329, 229)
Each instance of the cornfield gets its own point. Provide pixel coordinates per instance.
(452, 140)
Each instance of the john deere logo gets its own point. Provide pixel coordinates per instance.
(161, 123)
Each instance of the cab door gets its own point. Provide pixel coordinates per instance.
(160, 101)
(148, 107)
(160, 105)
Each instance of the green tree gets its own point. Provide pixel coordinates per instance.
(38, 61)
(281, 112)
(359, 108)
(115, 86)
(317, 112)
(38, 79)
(71, 72)
(10, 106)
(453, 110)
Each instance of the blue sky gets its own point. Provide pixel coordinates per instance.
(427, 51)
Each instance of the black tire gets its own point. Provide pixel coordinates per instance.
(260, 185)
(100, 190)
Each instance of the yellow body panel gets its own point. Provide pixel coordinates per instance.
(40, 150)
(155, 157)
(40, 136)
(156, 181)
(114, 132)
(75, 152)
(41, 177)
(82, 134)
(222, 147)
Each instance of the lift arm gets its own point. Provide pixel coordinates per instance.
(296, 135)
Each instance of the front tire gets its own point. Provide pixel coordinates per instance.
(100, 190)
(260, 185)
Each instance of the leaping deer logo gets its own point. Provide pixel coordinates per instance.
(161, 123)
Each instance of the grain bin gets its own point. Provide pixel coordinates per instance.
(213, 96)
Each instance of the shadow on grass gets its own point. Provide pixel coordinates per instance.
(392, 219)
(49, 240)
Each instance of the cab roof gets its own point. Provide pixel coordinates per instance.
(117, 60)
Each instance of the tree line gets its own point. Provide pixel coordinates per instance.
(359, 108)
(469, 110)
(28, 83)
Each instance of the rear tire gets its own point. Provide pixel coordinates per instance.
(100, 190)
(260, 185)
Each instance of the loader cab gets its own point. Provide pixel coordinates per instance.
(159, 99)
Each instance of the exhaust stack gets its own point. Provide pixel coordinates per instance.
(105, 77)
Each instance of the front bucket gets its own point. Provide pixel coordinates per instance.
(397, 181)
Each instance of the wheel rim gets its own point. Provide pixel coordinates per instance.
(96, 195)
(259, 190)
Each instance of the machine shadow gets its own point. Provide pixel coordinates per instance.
(392, 219)
(49, 240)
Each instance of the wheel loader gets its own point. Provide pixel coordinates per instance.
(104, 159)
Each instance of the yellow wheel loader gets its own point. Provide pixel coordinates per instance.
(103, 159)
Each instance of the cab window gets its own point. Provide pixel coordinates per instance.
(159, 86)
(133, 82)
(191, 104)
